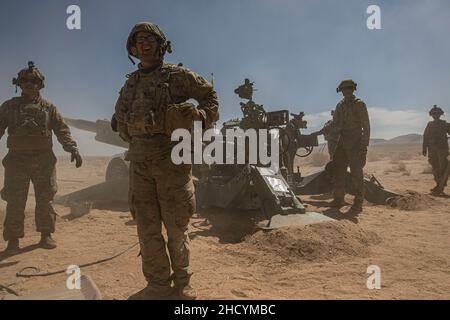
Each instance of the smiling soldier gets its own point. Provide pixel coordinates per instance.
(151, 105)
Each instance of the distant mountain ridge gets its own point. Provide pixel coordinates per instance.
(412, 138)
(89, 147)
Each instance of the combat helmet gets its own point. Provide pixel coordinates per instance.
(436, 110)
(164, 45)
(31, 73)
(346, 84)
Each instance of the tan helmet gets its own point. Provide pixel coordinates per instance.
(436, 110)
(31, 73)
(349, 83)
(164, 45)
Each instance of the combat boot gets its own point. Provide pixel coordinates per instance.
(47, 241)
(186, 292)
(356, 208)
(438, 193)
(337, 203)
(151, 292)
(13, 246)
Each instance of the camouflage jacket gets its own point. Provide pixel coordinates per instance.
(351, 124)
(30, 125)
(436, 135)
(146, 96)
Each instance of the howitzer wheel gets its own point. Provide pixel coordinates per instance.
(309, 150)
(117, 170)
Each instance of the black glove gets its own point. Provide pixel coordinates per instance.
(77, 158)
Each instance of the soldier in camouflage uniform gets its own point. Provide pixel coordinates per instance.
(435, 144)
(30, 121)
(151, 105)
(352, 127)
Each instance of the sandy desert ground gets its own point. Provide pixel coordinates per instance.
(232, 260)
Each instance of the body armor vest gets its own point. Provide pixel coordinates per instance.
(29, 127)
(147, 97)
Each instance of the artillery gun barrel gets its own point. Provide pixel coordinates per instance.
(101, 128)
(82, 124)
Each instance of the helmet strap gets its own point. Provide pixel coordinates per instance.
(131, 59)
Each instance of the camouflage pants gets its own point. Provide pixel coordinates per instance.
(20, 169)
(356, 160)
(162, 192)
(438, 161)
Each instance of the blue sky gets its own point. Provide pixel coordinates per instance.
(296, 52)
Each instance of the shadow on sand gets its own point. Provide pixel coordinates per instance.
(4, 255)
(230, 226)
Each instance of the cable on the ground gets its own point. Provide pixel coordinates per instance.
(37, 273)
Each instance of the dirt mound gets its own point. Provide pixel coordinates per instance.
(411, 201)
(314, 242)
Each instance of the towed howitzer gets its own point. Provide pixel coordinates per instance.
(291, 141)
(256, 186)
